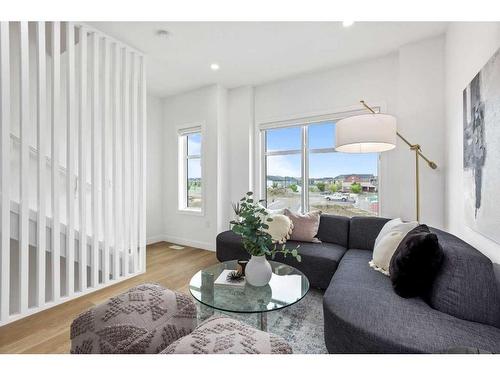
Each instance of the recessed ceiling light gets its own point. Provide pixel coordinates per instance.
(214, 66)
(163, 33)
(347, 23)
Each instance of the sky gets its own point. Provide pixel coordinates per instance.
(321, 135)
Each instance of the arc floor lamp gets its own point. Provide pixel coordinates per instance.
(376, 132)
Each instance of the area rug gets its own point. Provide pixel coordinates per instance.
(301, 324)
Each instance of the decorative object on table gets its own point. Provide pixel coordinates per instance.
(481, 117)
(387, 242)
(242, 264)
(376, 132)
(231, 278)
(251, 224)
(416, 262)
(305, 226)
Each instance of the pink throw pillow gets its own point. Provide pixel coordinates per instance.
(305, 227)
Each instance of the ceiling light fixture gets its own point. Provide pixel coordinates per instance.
(347, 23)
(214, 66)
(163, 33)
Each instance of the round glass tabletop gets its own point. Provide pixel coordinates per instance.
(287, 286)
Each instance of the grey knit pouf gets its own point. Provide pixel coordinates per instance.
(145, 319)
(221, 335)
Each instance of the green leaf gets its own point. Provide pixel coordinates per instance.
(269, 219)
(249, 193)
(299, 258)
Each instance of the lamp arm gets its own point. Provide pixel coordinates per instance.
(413, 147)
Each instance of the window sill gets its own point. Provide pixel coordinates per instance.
(189, 211)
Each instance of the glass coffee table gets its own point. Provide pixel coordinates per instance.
(287, 286)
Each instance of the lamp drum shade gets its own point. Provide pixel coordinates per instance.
(366, 133)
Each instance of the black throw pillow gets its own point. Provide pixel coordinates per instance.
(415, 263)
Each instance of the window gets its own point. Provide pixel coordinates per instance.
(336, 183)
(190, 170)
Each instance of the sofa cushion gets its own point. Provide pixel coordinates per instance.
(229, 247)
(416, 262)
(364, 230)
(221, 335)
(334, 229)
(305, 226)
(363, 315)
(319, 261)
(465, 285)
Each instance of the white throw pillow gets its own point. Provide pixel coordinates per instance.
(280, 228)
(387, 242)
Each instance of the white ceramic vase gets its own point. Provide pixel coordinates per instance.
(258, 271)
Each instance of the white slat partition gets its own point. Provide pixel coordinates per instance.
(70, 159)
(98, 121)
(118, 234)
(5, 163)
(142, 143)
(126, 161)
(134, 230)
(95, 158)
(41, 134)
(24, 183)
(82, 160)
(105, 161)
(55, 112)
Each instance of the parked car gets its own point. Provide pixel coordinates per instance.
(338, 197)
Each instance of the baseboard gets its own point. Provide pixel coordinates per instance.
(155, 239)
(181, 241)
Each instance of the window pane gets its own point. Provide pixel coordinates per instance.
(322, 135)
(344, 184)
(194, 183)
(194, 144)
(284, 182)
(283, 139)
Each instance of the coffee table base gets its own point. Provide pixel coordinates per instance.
(263, 321)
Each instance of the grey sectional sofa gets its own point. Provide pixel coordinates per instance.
(363, 314)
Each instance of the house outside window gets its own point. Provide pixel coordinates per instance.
(190, 170)
(302, 171)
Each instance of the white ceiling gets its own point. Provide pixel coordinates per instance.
(251, 53)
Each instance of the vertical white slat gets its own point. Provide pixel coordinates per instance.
(126, 161)
(82, 159)
(24, 183)
(134, 230)
(118, 235)
(95, 160)
(104, 167)
(5, 163)
(70, 159)
(55, 111)
(143, 166)
(41, 134)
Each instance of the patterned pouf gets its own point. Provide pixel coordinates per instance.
(145, 319)
(221, 335)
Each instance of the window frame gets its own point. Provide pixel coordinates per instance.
(303, 123)
(183, 158)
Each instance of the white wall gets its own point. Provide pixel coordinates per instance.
(205, 106)
(408, 83)
(154, 182)
(468, 47)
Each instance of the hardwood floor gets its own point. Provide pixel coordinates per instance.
(48, 331)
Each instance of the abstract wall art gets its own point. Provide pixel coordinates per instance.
(481, 150)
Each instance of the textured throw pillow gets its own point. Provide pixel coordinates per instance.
(305, 227)
(280, 228)
(387, 242)
(416, 262)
